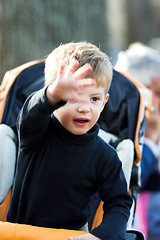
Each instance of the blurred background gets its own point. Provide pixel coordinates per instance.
(31, 29)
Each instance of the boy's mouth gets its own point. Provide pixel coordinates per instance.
(81, 121)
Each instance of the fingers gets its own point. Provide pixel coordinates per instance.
(61, 70)
(70, 69)
(86, 82)
(83, 71)
(73, 238)
(72, 66)
(76, 237)
(87, 236)
(80, 74)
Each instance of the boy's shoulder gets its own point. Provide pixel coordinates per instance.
(105, 146)
(106, 155)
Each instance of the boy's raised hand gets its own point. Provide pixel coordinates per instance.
(68, 82)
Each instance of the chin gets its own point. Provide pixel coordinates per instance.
(79, 132)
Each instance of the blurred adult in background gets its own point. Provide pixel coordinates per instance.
(154, 43)
(143, 63)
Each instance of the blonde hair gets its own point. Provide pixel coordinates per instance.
(85, 53)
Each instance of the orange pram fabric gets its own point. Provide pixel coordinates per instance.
(11, 231)
(4, 206)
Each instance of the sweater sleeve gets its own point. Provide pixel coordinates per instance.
(117, 202)
(35, 116)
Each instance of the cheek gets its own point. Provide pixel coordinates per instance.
(95, 114)
(98, 112)
(66, 115)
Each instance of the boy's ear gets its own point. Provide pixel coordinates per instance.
(105, 100)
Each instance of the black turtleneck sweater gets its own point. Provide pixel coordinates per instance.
(58, 172)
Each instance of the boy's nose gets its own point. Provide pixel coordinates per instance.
(83, 108)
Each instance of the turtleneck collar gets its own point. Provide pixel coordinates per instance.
(71, 138)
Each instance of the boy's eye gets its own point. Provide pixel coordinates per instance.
(94, 99)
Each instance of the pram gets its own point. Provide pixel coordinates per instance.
(122, 124)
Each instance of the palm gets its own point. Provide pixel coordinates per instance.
(70, 81)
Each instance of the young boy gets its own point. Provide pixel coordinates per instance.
(62, 162)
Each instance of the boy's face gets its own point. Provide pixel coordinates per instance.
(78, 117)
